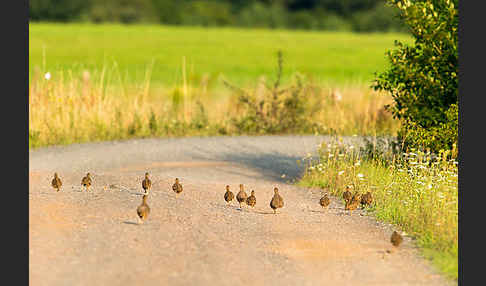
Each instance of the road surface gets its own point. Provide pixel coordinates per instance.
(93, 238)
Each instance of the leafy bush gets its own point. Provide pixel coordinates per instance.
(422, 79)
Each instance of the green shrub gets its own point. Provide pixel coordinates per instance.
(422, 78)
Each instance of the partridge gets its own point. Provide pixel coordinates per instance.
(143, 210)
(228, 196)
(277, 201)
(347, 195)
(56, 182)
(251, 200)
(86, 181)
(146, 183)
(396, 239)
(353, 203)
(367, 199)
(324, 201)
(241, 196)
(177, 187)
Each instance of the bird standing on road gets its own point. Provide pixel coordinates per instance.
(277, 201)
(177, 187)
(86, 181)
(143, 210)
(347, 195)
(146, 183)
(324, 201)
(367, 199)
(396, 239)
(251, 200)
(241, 196)
(56, 182)
(353, 203)
(228, 196)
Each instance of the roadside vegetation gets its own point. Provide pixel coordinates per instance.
(414, 190)
(414, 176)
(90, 108)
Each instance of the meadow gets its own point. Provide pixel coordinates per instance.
(240, 55)
(113, 81)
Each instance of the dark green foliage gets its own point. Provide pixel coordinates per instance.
(380, 18)
(207, 13)
(57, 10)
(124, 11)
(293, 14)
(422, 78)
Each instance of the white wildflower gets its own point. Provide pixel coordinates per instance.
(340, 173)
(47, 76)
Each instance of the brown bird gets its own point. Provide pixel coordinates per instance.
(86, 181)
(324, 201)
(228, 196)
(353, 203)
(146, 183)
(177, 187)
(241, 196)
(396, 239)
(251, 200)
(143, 210)
(277, 201)
(56, 182)
(367, 199)
(347, 195)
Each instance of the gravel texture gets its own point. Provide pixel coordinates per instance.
(195, 238)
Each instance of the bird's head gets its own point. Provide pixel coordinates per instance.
(252, 192)
(227, 187)
(55, 175)
(146, 175)
(275, 190)
(241, 187)
(177, 180)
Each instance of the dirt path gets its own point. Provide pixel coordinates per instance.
(80, 238)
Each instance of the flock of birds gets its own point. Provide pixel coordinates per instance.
(352, 201)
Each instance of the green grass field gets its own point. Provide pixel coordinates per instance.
(240, 55)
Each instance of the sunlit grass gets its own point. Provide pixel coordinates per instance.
(415, 192)
(67, 109)
(240, 55)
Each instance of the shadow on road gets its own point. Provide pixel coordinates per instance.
(273, 165)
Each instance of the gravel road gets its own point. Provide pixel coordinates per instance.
(92, 238)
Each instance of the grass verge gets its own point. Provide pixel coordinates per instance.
(417, 191)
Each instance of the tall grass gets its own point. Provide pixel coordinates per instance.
(71, 108)
(415, 190)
